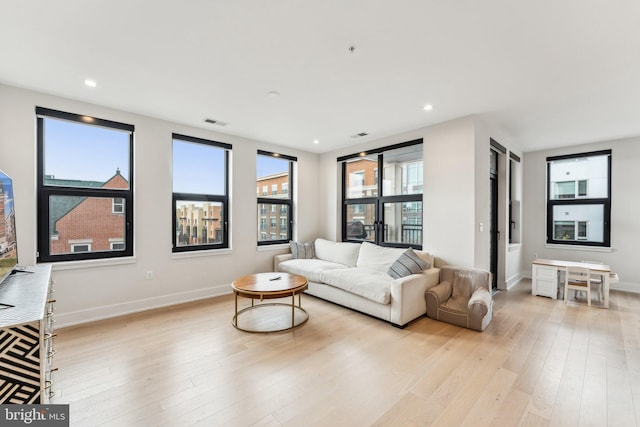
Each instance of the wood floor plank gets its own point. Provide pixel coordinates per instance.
(540, 362)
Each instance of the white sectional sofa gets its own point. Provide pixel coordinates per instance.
(356, 276)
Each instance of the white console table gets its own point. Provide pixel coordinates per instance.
(545, 276)
(26, 333)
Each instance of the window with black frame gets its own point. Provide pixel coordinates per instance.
(387, 211)
(200, 194)
(274, 182)
(579, 199)
(85, 187)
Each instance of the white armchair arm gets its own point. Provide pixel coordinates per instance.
(407, 295)
(280, 258)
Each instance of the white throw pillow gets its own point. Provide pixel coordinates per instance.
(341, 252)
(377, 257)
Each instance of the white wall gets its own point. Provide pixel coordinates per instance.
(92, 290)
(625, 211)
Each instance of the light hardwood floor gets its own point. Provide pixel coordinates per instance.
(539, 363)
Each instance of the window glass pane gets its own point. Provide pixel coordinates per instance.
(564, 230)
(590, 173)
(582, 230)
(403, 223)
(360, 220)
(402, 171)
(587, 219)
(84, 224)
(198, 168)
(362, 177)
(199, 222)
(273, 177)
(273, 222)
(84, 155)
(565, 190)
(582, 188)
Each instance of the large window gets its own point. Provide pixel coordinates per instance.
(387, 212)
(200, 194)
(85, 187)
(579, 199)
(275, 201)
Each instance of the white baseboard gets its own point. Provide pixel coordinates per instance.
(513, 280)
(115, 310)
(626, 287)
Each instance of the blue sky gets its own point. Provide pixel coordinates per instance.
(84, 152)
(93, 153)
(269, 165)
(197, 168)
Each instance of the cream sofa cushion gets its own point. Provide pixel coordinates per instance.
(377, 257)
(310, 268)
(341, 252)
(368, 283)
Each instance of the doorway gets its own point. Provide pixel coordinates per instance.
(494, 232)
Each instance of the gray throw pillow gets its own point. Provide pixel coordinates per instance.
(302, 250)
(406, 264)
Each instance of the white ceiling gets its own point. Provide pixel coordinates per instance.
(547, 73)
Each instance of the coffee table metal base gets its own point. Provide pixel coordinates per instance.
(269, 317)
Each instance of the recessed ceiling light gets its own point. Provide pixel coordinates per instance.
(90, 83)
(428, 107)
(315, 141)
(273, 94)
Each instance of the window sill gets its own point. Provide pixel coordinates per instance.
(578, 247)
(200, 254)
(514, 246)
(91, 263)
(280, 246)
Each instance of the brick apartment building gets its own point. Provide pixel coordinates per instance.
(198, 223)
(272, 218)
(87, 224)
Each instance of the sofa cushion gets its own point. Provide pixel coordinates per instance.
(368, 283)
(407, 263)
(340, 252)
(309, 268)
(302, 250)
(377, 257)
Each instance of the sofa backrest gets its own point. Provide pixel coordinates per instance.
(377, 257)
(380, 258)
(426, 257)
(341, 252)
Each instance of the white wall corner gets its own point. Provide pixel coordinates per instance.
(514, 280)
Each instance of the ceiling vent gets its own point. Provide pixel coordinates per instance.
(215, 122)
(359, 135)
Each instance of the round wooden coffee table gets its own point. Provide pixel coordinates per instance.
(269, 317)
